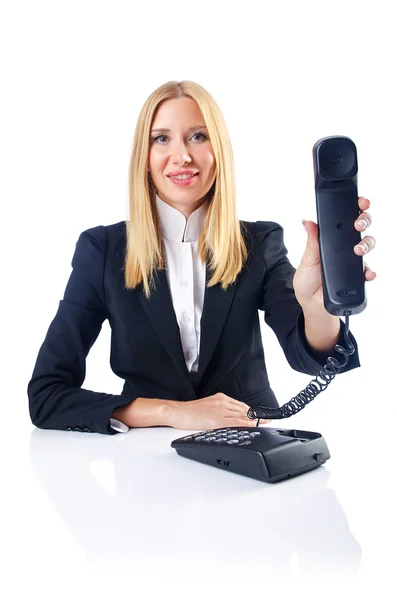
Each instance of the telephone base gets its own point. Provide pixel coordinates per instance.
(266, 453)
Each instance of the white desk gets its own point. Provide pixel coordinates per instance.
(94, 513)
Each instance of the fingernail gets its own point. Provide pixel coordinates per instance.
(364, 247)
(363, 223)
(303, 223)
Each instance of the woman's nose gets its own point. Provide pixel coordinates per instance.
(180, 152)
(182, 158)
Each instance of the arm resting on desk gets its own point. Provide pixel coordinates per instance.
(143, 412)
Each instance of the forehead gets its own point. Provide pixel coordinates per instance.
(178, 112)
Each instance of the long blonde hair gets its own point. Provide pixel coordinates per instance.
(221, 241)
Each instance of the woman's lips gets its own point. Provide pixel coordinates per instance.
(184, 182)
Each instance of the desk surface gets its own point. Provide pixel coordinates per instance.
(126, 510)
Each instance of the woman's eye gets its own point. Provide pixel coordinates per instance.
(199, 133)
(158, 137)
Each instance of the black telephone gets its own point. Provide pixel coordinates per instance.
(273, 454)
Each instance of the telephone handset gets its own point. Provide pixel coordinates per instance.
(335, 181)
(271, 454)
(335, 174)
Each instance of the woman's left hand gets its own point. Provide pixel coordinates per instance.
(307, 280)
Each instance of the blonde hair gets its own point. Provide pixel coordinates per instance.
(221, 240)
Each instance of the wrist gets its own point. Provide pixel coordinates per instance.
(121, 413)
(319, 315)
(169, 411)
(321, 330)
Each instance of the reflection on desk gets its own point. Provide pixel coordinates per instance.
(131, 501)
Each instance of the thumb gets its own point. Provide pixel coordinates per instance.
(311, 255)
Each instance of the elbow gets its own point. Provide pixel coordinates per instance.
(38, 399)
(34, 410)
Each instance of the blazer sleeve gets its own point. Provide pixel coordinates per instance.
(283, 312)
(56, 399)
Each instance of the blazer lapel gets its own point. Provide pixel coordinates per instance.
(217, 302)
(161, 313)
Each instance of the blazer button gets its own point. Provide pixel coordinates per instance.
(87, 430)
(78, 429)
(68, 429)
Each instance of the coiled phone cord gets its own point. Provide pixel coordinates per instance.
(314, 388)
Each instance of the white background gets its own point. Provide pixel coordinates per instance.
(74, 78)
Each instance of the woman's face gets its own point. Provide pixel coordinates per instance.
(179, 141)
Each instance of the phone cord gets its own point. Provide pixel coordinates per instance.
(316, 386)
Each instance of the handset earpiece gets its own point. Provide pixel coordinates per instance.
(335, 173)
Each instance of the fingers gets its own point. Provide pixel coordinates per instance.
(237, 412)
(369, 274)
(243, 409)
(252, 422)
(368, 242)
(363, 222)
(243, 422)
(311, 228)
(366, 245)
(363, 203)
(311, 255)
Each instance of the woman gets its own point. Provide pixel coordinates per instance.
(181, 283)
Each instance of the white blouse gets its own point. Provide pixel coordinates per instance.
(185, 273)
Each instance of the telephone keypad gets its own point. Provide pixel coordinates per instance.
(224, 436)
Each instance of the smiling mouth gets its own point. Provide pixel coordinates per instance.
(183, 178)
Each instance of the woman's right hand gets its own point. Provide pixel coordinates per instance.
(211, 412)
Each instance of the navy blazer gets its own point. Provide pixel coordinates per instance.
(146, 350)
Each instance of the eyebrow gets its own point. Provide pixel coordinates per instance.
(169, 130)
